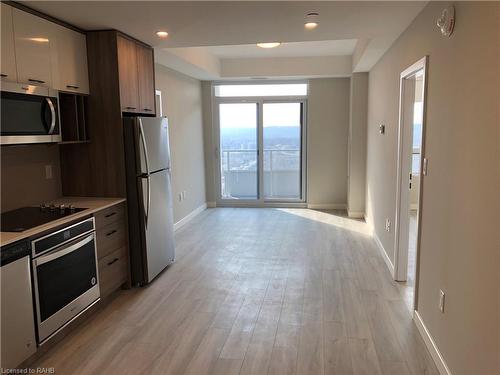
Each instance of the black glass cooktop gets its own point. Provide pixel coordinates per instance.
(29, 217)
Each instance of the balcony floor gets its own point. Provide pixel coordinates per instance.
(256, 291)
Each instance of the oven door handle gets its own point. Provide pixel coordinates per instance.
(59, 252)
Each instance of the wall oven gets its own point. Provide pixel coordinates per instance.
(30, 114)
(65, 276)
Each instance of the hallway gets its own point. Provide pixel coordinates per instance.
(256, 291)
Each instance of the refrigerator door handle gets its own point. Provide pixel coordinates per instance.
(147, 204)
(144, 146)
(149, 201)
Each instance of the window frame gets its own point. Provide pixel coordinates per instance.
(260, 100)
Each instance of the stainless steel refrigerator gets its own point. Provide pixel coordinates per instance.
(149, 197)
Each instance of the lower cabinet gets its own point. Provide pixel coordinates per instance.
(113, 271)
(112, 250)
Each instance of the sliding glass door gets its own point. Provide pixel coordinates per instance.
(239, 151)
(261, 156)
(282, 141)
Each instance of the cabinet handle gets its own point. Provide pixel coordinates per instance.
(147, 110)
(110, 233)
(130, 108)
(4, 75)
(113, 261)
(72, 87)
(36, 80)
(111, 214)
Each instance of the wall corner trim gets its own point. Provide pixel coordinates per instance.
(211, 204)
(356, 214)
(186, 219)
(383, 253)
(431, 345)
(327, 206)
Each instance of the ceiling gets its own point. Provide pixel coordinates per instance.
(230, 29)
(290, 49)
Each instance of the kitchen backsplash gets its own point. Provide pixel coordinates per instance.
(30, 175)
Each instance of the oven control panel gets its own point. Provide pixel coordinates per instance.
(55, 239)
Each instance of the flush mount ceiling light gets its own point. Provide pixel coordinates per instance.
(39, 40)
(162, 34)
(311, 20)
(269, 44)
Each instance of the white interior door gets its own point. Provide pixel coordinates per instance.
(411, 170)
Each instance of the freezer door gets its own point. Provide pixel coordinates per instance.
(158, 222)
(154, 153)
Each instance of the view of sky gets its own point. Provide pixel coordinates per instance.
(288, 89)
(244, 115)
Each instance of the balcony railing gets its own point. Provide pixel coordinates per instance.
(282, 177)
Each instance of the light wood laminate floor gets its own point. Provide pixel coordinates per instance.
(256, 291)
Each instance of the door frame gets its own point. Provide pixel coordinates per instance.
(402, 217)
(261, 201)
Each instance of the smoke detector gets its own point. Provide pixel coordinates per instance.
(446, 22)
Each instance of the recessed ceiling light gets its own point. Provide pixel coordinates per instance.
(311, 20)
(162, 34)
(269, 44)
(310, 25)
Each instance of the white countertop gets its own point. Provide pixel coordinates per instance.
(92, 205)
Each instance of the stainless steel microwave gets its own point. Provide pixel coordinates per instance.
(29, 114)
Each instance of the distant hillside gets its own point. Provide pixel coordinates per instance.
(274, 135)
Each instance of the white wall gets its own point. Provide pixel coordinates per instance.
(356, 183)
(459, 250)
(295, 67)
(182, 104)
(327, 133)
(211, 163)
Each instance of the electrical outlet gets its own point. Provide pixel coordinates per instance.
(388, 224)
(48, 172)
(441, 300)
(184, 195)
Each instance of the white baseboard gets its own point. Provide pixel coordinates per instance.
(186, 219)
(431, 345)
(327, 206)
(386, 258)
(211, 204)
(356, 214)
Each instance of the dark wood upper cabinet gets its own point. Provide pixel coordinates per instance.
(128, 74)
(145, 68)
(121, 78)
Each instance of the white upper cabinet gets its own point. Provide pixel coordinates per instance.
(8, 67)
(69, 68)
(39, 52)
(33, 44)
